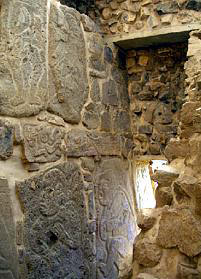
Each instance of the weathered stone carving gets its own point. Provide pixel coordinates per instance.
(42, 142)
(82, 143)
(55, 229)
(8, 252)
(6, 140)
(23, 66)
(68, 77)
(115, 219)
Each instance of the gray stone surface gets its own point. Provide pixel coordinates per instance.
(83, 143)
(8, 251)
(6, 140)
(56, 238)
(23, 52)
(67, 59)
(42, 142)
(116, 229)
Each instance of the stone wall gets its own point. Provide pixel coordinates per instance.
(128, 16)
(157, 91)
(169, 243)
(65, 147)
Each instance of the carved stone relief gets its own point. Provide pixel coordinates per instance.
(8, 252)
(42, 142)
(23, 66)
(67, 59)
(83, 143)
(115, 217)
(56, 234)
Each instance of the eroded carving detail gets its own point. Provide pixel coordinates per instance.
(55, 229)
(8, 252)
(116, 224)
(42, 143)
(67, 60)
(23, 73)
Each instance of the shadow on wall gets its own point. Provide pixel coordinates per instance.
(83, 6)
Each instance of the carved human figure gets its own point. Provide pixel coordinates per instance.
(116, 225)
(24, 74)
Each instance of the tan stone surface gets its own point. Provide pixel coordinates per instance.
(147, 253)
(178, 227)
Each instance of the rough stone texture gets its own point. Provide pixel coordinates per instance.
(23, 67)
(42, 142)
(67, 60)
(146, 218)
(6, 140)
(8, 250)
(56, 237)
(126, 17)
(176, 148)
(81, 143)
(115, 219)
(156, 96)
(147, 253)
(178, 227)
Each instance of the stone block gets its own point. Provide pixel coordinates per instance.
(147, 253)
(194, 5)
(67, 60)
(106, 122)
(146, 218)
(176, 148)
(122, 122)
(6, 140)
(23, 51)
(145, 129)
(178, 227)
(167, 7)
(8, 250)
(56, 235)
(42, 142)
(81, 143)
(163, 196)
(110, 93)
(91, 116)
(115, 219)
(164, 178)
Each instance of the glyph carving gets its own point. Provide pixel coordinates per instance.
(67, 59)
(42, 142)
(116, 223)
(55, 229)
(23, 66)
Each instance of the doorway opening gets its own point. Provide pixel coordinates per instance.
(145, 187)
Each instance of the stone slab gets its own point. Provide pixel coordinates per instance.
(67, 60)
(23, 57)
(83, 143)
(42, 142)
(166, 35)
(8, 251)
(56, 237)
(116, 227)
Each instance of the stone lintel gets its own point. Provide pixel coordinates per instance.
(165, 35)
